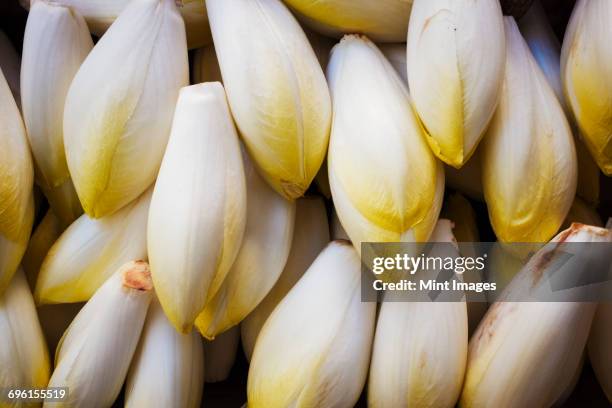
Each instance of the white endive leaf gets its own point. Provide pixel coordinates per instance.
(16, 181)
(10, 64)
(600, 340)
(396, 55)
(46, 233)
(599, 343)
(420, 349)
(528, 157)
(455, 61)
(119, 106)
(586, 72)
(220, 355)
(205, 65)
(24, 360)
(545, 47)
(386, 184)
(282, 107)
(168, 367)
(301, 355)
(506, 367)
(381, 20)
(260, 261)
(94, 355)
(199, 205)
(100, 14)
(90, 251)
(55, 43)
(310, 235)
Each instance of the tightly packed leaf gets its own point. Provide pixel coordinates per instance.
(120, 104)
(528, 157)
(276, 90)
(386, 184)
(455, 61)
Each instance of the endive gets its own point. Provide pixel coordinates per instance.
(301, 354)
(599, 343)
(310, 235)
(90, 250)
(386, 184)
(168, 367)
(455, 61)
(382, 20)
(528, 155)
(16, 181)
(205, 65)
(506, 367)
(100, 14)
(586, 73)
(24, 360)
(120, 105)
(198, 210)
(46, 233)
(545, 47)
(420, 349)
(55, 43)
(10, 65)
(282, 108)
(94, 355)
(262, 256)
(220, 355)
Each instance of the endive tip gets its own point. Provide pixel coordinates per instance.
(137, 275)
(577, 227)
(341, 241)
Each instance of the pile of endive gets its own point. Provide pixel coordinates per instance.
(178, 178)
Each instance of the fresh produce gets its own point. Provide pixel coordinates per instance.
(24, 359)
(282, 109)
(529, 143)
(420, 349)
(386, 184)
(56, 42)
(90, 250)
(94, 355)
(16, 181)
(381, 20)
(319, 327)
(167, 368)
(455, 54)
(586, 71)
(120, 105)
(260, 260)
(199, 206)
(507, 368)
(310, 236)
(172, 173)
